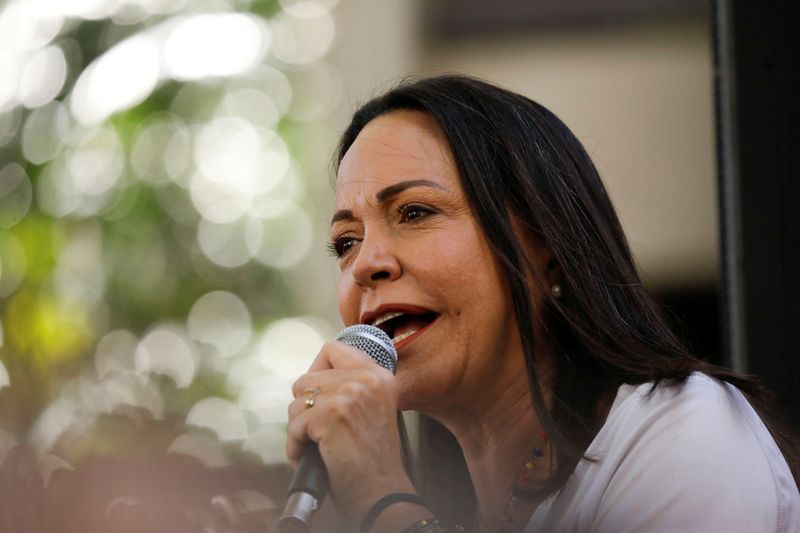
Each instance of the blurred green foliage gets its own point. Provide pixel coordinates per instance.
(103, 249)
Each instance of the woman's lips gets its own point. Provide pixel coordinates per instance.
(402, 322)
(371, 316)
(408, 336)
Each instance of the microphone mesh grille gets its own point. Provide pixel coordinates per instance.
(373, 341)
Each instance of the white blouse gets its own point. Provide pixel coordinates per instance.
(695, 458)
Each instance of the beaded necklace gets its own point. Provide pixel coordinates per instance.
(521, 483)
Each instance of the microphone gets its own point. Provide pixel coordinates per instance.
(310, 481)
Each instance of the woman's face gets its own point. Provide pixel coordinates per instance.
(414, 262)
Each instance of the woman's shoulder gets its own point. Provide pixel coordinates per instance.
(699, 394)
(666, 415)
(702, 445)
(703, 425)
(681, 457)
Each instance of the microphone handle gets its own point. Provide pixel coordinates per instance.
(308, 488)
(310, 482)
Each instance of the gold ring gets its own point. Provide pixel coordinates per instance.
(311, 396)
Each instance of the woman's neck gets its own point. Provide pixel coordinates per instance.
(497, 435)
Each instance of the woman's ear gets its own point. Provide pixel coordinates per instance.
(553, 271)
(543, 267)
(554, 274)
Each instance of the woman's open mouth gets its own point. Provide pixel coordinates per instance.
(402, 325)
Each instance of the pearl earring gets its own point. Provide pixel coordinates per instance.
(555, 290)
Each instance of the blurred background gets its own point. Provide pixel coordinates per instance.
(165, 191)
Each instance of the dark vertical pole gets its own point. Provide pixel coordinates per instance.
(757, 94)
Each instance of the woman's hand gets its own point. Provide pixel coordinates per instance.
(353, 420)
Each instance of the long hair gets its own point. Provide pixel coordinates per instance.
(518, 162)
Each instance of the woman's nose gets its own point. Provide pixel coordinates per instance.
(375, 262)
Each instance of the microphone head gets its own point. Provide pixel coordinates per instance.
(373, 341)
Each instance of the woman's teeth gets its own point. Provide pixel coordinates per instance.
(388, 316)
(403, 336)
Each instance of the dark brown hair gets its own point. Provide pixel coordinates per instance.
(517, 160)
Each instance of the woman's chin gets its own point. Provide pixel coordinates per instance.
(421, 389)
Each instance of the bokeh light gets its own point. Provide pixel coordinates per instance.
(253, 105)
(95, 163)
(14, 264)
(268, 444)
(43, 77)
(162, 7)
(24, 32)
(288, 192)
(165, 350)
(288, 347)
(264, 396)
(318, 90)
(5, 380)
(9, 70)
(87, 9)
(304, 32)
(120, 78)
(80, 274)
(221, 319)
(156, 199)
(115, 353)
(9, 122)
(50, 464)
(128, 390)
(271, 81)
(230, 245)
(45, 131)
(202, 447)
(214, 45)
(264, 378)
(58, 418)
(160, 150)
(16, 194)
(287, 238)
(235, 161)
(221, 416)
(7, 443)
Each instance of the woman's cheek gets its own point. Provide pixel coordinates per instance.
(348, 299)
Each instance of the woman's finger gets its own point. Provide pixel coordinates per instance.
(335, 354)
(310, 422)
(307, 383)
(297, 433)
(336, 395)
(309, 397)
(332, 382)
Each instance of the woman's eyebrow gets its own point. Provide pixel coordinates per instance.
(388, 192)
(393, 190)
(342, 214)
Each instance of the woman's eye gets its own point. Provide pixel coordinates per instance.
(410, 212)
(341, 245)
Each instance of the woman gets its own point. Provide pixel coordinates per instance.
(472, 227)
